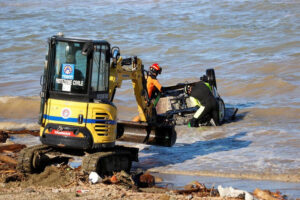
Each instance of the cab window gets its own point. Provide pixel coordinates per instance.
(70, 71)
(100, 72)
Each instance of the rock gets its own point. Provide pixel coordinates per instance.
(29, 190)
(146, 180)
(13, 178)
(3, 136)
(54, 190)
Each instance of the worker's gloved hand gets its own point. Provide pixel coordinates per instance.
(163, 90)
(148, 103)
(193, 122)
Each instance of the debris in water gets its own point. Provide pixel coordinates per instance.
(198, 189)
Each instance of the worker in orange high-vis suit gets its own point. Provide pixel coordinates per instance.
(153, 85)
(154, 88)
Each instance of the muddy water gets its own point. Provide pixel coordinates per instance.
(253, 46)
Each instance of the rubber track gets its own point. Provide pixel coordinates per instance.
(89, 163)
(26, 156)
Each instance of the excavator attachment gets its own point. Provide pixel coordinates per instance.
(142, 132)
(173, 108)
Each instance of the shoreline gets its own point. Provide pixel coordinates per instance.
(291, 189)
(288, 178)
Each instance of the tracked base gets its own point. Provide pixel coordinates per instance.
(33, 159)
(105, 163)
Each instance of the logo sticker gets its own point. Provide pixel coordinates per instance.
(68, 71)
(66, 113)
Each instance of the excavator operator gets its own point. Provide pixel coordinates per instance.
(153, 85)
(154, 88)
(202, 97)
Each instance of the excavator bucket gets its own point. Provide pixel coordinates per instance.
(141, 132)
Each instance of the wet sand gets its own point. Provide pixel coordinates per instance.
(291, 189)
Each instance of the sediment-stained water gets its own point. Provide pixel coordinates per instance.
(254, 47)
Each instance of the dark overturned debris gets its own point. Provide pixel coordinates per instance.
(198, 189)
(134, 180)
(3, 136)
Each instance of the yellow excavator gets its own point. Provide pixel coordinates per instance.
(78, 116)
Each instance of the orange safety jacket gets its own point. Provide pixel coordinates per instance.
(152, 83)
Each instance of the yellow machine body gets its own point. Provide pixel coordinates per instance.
(133, 72)
(80, 122)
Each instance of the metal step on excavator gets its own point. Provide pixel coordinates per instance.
(77, 114)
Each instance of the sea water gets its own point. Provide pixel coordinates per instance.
(254, 47)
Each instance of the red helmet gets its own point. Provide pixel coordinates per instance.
(155, 68)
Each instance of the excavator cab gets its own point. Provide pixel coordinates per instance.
(79, 69)
(76, 111)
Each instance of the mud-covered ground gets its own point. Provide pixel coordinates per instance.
(61, 181)
(65, 182)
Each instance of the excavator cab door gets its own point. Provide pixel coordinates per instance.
(100, 73)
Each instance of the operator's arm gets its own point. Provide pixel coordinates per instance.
(151, 85)
(157, 85)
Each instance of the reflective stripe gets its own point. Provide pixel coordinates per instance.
(207, 84)
(75, 120)
(156, 100)
(195, 101)
(199, 112)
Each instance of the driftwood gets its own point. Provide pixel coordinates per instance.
(267, 195)
(12, 148)
(198, 189)
(8, 160)
(30, 132)
(8, 171)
